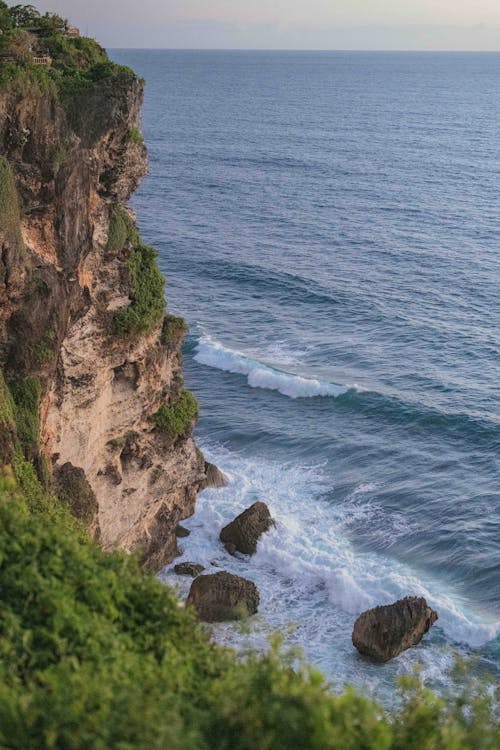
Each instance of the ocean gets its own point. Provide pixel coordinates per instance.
(329, 227)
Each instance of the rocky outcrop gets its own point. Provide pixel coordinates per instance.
(242, 534)
(73, 169)
(188, 569)
(213, 477)
(384, 632)
(223, 596)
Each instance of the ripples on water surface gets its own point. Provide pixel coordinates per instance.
(328, 223)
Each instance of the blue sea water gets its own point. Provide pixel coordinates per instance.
(329, 226)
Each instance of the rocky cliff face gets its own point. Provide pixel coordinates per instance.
(73, 166)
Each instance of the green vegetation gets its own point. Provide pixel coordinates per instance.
(26, 393)
(147, 301)
(173, 329)
(45, 349)
(174, 419)
(10, 213)
(121, 230)
(78, 63)
(135, 136)
(74, 490)
(6, 405)
(97, 655)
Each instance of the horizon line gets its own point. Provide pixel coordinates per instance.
(291, 49)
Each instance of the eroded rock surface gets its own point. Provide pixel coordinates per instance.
(213, 477)
(384, 632)
(223, 596)
(242, 534)
(61, 283)
(188, 569)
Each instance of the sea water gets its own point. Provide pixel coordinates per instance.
(329, 226)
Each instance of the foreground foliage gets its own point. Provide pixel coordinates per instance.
(96, 654)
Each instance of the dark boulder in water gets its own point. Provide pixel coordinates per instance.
(213, 477)
(188, 569)
(181, 531)
(384, 632)
(223, 596)
(242, 534)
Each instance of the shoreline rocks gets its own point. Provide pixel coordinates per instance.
(214, 478)
(242, 534)
(188, 569)
(384, 632)
(223, 596)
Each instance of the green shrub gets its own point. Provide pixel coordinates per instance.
(173, 329)
(46, 348)
(6, 404)
(73, 489)
(135, 136)
(147, 303)
(96, 654)
(26, 393)
(10, 212)
(174, 419)
(121, 230)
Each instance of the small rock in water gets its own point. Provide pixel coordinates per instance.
(180, 531)
(188, 569)
(223, 596)
(384, 632)
(242, 534)
(213, 477)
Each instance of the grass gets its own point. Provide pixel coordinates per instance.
(173, 420)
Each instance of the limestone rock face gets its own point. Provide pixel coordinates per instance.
(60, 285)
(223, 596)
(188, 569)
(242, 534)
(384, 632)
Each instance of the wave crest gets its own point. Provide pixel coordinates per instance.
(213, 354)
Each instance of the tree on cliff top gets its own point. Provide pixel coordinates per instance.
(5, 17)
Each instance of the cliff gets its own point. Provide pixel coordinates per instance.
(83, 332)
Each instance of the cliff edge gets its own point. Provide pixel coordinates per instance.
(87, 350)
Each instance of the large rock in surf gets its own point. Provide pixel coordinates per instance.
(223, 596)
(213, 477)
(242, 534)
(384, 632)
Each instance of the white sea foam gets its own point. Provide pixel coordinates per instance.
(309, 573)
(259, 375)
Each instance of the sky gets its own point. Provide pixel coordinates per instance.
(287, 24)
